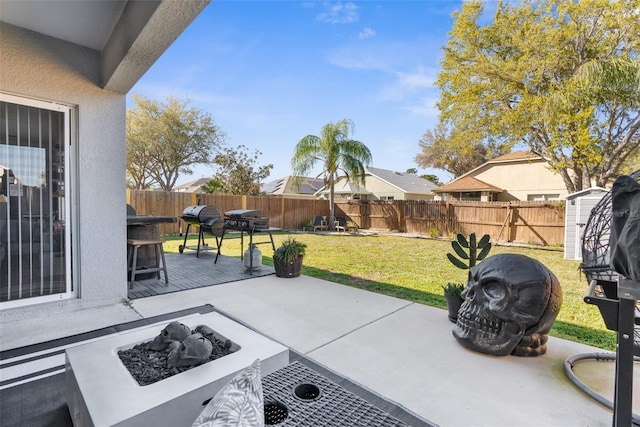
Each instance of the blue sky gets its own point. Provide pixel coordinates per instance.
(272, 72)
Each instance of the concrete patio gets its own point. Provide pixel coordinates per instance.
(401, 350)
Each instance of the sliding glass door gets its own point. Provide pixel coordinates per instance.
(34, 201)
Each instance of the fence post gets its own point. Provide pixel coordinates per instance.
(402, 227)
(513, 228)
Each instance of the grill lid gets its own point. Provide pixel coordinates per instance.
(243, 213)
(198, 214)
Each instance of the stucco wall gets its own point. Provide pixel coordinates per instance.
(523, 178)
(44, 68)
(382, 189)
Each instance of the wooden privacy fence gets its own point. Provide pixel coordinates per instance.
(282, 212)
(540, 223)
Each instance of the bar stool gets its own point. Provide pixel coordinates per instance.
(132, 259)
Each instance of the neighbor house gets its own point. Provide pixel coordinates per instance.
(518, 175)
(290, 186)
(66, 69)
(194, 186)
(382, 184)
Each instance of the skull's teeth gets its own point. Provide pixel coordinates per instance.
(468, 321)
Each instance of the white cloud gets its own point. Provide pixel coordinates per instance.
(422, 78)
(408, 84)
(425, 107)
(339, 13)
(366, 33)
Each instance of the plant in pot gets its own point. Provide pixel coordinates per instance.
(464, 261)
(287, 258)
(452, 293)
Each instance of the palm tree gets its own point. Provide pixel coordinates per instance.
(338, 154)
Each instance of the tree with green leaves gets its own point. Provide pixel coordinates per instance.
(441, 149)
(337, 153)
(431, 178)
(427, 176)
(559, 76)
(238, 172)
(165, 139)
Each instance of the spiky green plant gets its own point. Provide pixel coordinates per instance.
(470, 259)
(453, 288)
(289, 250)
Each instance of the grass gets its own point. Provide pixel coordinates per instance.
(415, 269)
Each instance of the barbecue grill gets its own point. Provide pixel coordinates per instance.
(206, 218)
(245, 219)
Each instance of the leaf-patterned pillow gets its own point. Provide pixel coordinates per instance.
(237, 404)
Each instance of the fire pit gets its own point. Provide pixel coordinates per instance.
(175, 350)
(100, 390)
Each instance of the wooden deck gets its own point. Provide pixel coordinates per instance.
(186, 271)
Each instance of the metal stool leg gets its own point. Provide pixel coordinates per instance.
(133, 265)
(164, 265)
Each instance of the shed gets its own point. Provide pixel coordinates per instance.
(578, 208)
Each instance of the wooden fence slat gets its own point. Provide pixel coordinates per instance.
(526, 222)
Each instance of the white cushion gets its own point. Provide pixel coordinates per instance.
(237, 404)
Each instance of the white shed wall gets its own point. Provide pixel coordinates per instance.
(578, 210)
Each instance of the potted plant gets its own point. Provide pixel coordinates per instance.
(452, 293)
(464, 261)
(287, 258)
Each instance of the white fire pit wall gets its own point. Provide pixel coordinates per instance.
(100, 391)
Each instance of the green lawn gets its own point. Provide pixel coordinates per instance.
(414, 269)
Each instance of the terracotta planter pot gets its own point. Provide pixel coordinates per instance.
(288, 269)
(453, 305)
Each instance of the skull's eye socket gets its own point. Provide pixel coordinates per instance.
(495, 290)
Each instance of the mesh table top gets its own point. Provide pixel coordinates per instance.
(298, 396)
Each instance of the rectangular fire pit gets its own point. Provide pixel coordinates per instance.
(100, 390)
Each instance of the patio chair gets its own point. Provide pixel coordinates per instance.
(320, 223)
(620, 314)
(340, 223)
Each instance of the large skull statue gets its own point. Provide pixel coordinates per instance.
(511, 302)
(174, 331)
(193, 350)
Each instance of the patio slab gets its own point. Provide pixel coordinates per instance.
(304, 312)
(406, 352)
(413, 357)
(398, 349)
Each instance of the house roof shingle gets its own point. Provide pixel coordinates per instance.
(516, 155)
(192, 186)
(286, 186)
(342, 186)
(406, 182)
(465, 184)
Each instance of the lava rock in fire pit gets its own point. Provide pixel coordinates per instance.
(148, 366)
